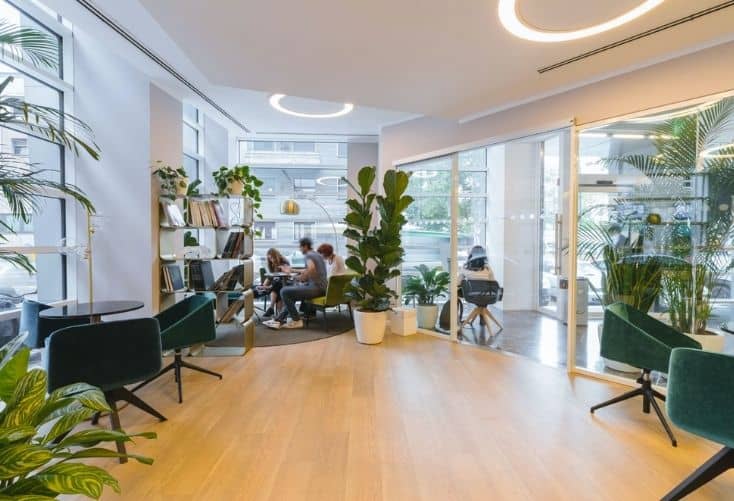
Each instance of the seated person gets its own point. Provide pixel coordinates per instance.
(276, 263)
(476, 266)
(334, 264)
(313, 284)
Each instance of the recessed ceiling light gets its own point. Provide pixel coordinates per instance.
(275, 102)
(510, 19)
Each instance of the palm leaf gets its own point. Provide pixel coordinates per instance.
(29, 44)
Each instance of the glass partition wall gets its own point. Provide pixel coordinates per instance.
(505, 204)
(654, 224)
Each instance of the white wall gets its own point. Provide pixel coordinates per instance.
(113, 98)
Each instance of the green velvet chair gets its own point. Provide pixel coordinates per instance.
(38, 328)
(108, 355)
(185, 324)
(334, 297)
(700, 390)
(635, 338)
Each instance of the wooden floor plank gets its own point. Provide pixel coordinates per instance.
(415, 418)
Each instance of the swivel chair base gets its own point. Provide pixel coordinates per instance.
(486, 316)
(125, 395)
(718, 464)
(648, 394)
(176, 367)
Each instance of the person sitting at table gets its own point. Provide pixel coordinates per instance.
(276, 263)
(312, 284)
(477, 266)
(334, 264)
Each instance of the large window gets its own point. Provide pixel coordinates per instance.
(44, 238)
(311, 174)
(193, 139)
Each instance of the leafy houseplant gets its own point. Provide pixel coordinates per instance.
(173, 182)
(376, 251)
(424, 288)
(239, 181)
(39, 449)
(23, 185)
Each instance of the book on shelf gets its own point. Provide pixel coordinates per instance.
(201, 276)
(234, 246)
(232, 310)
(172, 278)
(206, 213)
(228, 280)
(171, 215)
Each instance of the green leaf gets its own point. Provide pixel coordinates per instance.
(12, 371)
(75, 478)
(92, 437)
(28, 397)
(16, 434)
(366, 179)
(98, 452)
(67, 422)
(19, 459)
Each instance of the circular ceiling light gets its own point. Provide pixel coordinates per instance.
(275, 102)
(512, 22)
(330, 181)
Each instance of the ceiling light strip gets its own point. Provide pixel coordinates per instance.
(158, 60)
(653, 31)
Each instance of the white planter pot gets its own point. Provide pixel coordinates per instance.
(370, 326)
(236, 187)
(713, 341)
(427, 316)
(613, 364)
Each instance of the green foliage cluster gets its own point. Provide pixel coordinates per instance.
(39, 449)
(429, 284)
(171, 179)
(376, 251)
(251, 183)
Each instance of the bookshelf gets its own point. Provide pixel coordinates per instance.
(206, 245)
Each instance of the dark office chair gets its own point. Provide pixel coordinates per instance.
(185, 324)
(108, 355)
(635, 338)
(41, 328)
(482, 293)
(700, 401)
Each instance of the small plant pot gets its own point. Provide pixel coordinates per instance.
(711, 341)
(235, 187)
(182, 187)
(370, 326)
(427, 315)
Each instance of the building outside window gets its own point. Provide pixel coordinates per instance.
(309, 172)
(193, 140)
(43, 239)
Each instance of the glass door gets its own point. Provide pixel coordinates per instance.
(551, 226)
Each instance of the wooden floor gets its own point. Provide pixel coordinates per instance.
(413, 418)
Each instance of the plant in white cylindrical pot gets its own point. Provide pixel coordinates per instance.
(376, 250)
(424, 288)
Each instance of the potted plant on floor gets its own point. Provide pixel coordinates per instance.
(173, 182)
(425, 288)
(376, 249)
(40, 449)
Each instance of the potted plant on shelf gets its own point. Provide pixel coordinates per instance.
(173, 182)
(238, 181)
(40, 451)
(424, 288)
(376, 250)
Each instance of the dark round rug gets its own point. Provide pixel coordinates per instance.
(336, 324)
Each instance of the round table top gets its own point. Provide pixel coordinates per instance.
(97, 308)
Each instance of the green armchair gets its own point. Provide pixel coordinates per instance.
(700, 401)
(633, 337)
(185, 324)
(334, 297)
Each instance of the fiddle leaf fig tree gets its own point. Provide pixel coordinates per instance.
(376, 250)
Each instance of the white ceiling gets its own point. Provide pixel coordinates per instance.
(430, 57)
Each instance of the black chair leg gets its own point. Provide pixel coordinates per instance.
(324, 323)
(167, 368)
(621, 398)
(179, 383)
(200, 369)
(718, 464)
(663, 420)
(128, 396)
(115, 422)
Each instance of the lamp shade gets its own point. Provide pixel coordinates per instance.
(290, 208)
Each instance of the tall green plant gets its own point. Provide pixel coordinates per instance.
(40, 451)
(24, 185)
(376, 251)
(429, 284)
